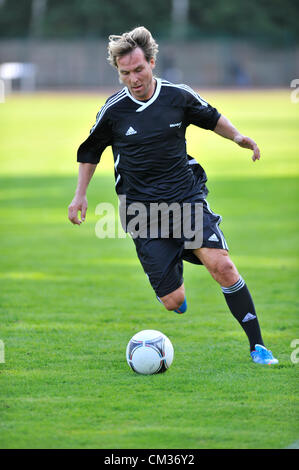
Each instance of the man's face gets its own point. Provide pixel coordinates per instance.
(137, 74)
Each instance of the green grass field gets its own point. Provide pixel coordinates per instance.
(70, 301)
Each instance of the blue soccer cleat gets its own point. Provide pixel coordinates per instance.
(182, 308)
(262, 355)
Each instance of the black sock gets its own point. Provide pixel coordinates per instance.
(240, 303)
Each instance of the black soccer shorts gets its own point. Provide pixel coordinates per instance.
(162, 258)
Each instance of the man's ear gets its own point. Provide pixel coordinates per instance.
(152, 63)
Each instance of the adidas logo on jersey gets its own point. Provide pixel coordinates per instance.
(131, 131)
(213, 238)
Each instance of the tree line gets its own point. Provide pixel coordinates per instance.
(270, 20)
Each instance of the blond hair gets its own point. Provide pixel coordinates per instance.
(139, 37)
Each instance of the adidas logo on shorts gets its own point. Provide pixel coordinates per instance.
(213, 238)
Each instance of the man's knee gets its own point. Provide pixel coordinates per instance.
(175, 299)
(225, 272)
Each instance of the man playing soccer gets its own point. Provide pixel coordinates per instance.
(145, 123)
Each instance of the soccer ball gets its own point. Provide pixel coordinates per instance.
(149, 352)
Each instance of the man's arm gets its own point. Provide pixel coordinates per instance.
(79, 203)
(225, 128)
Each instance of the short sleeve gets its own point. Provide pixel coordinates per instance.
(199, 112)
(100, 137)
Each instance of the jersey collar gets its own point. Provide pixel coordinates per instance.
(145, 104)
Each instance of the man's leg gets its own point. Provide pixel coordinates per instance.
(160, 259)
(235, 291)
(175, 300)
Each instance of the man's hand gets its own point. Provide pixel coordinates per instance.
(226, 129)
(248, 143)
(78, 204)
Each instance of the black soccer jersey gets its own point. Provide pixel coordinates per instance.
(148, 142)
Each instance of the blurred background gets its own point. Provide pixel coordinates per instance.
(54, 44)
(69, 301)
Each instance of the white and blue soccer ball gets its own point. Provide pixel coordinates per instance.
(149, 352)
